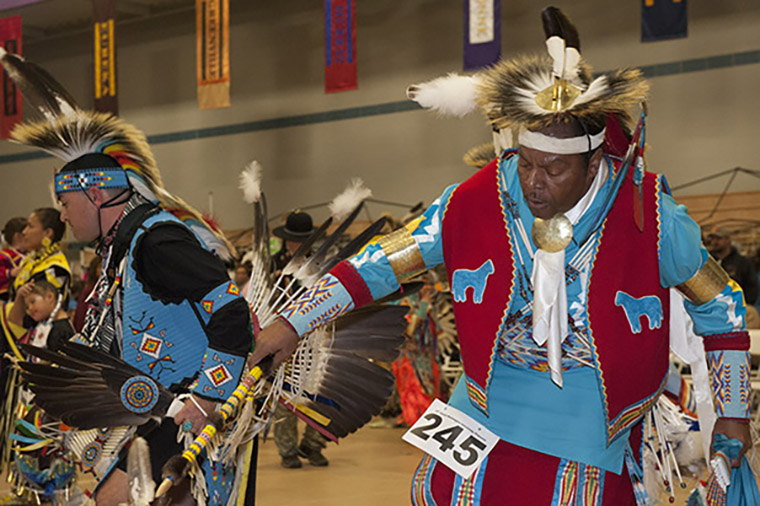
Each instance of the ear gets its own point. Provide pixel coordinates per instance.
(593, 164)
(96, 195)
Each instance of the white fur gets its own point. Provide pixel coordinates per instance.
(352, 196)
(452, 95)
(250, 182)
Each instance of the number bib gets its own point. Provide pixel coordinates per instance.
(451, 437)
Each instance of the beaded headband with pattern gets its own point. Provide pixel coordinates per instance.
(84, 179)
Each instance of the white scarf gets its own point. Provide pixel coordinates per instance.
(550, 290)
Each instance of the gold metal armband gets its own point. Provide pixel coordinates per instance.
(708, 282)
(403, 254)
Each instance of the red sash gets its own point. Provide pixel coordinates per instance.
(631, 365)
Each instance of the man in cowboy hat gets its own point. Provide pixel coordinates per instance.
(297, 228)
(561, 253)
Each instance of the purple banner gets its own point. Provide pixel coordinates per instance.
(482, 33)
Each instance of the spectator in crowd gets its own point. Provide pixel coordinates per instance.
(11, 255)
(741, 269)
(243, 275)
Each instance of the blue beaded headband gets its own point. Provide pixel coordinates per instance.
(84, 179)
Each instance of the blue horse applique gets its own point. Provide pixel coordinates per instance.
(475, 279)
(649, 306)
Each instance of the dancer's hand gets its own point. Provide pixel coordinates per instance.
(278, 339)
(192, 416)
(733, 429)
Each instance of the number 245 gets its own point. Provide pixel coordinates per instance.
(447, 437)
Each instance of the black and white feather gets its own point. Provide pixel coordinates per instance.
(88, 389)
(38, 87)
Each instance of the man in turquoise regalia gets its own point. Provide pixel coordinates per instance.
(163, 303)
(561, 254)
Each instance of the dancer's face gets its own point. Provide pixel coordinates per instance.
(553, 183)
(81, 214)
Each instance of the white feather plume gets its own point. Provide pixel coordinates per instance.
(452, 95)
(354, 194)
(566, 60)
(555, 46)
(250, 182)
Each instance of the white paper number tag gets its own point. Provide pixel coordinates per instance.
(453, 438)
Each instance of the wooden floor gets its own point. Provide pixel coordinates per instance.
(373, 467)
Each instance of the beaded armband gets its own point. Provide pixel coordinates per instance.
(326, 300)
(219, 375)
(730, 382)
(217, 298)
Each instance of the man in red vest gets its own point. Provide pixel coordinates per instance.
(562, 255)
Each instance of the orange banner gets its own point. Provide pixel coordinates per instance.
(213, 53)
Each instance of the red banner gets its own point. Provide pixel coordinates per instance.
(106, 98)
(10, 38)
(340, 45)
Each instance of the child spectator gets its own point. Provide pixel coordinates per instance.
(42, 302)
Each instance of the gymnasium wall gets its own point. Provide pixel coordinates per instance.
(703, 109)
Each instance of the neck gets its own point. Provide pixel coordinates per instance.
(109, 217)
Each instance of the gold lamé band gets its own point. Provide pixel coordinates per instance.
(706, 284)
(403, 254)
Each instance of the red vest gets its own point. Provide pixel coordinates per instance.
(631, 366)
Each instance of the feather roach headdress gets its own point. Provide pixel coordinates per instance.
(72, 134)
(531, 92)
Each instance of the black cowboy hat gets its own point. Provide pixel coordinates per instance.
(298, 227)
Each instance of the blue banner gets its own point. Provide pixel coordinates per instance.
(663, 20)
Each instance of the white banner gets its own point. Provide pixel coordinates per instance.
(481, 21)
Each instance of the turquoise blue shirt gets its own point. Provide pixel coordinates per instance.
(527, 409)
